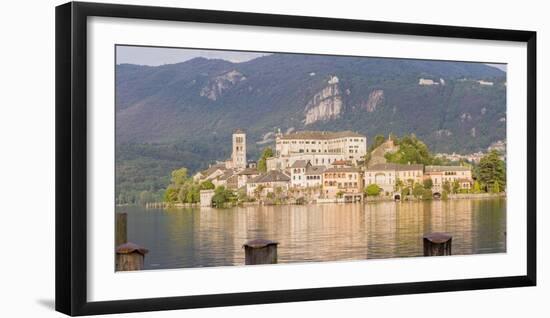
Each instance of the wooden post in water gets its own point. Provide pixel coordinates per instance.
(130, 257)
(121, 232)
(437, 244)
(260, 252)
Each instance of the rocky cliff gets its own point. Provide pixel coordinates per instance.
(325, 105)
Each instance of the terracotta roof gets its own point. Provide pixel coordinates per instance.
(314, 170)
(271, 176)
(343, 169)
(446, 168)
(394, 166)
(341, 163)
(325, 135)
(300, 164)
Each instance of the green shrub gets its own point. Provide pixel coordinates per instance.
(372, 190)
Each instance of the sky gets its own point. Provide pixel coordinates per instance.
(154, 56)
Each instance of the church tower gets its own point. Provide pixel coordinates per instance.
(238, 155)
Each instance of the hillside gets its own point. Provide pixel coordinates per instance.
(183, 114)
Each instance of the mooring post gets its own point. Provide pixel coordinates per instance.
(437, 244)
(121, 232)
(260, 252)
(130, 257)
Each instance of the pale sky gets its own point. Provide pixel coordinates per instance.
(153, 56)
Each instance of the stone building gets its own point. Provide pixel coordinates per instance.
(317, 147)
(246, 175)
(269, 182)
(298, 173)
(442, 174)
(238, 154)
(304, 175)
(345, 180)
(213, 172)
(386, 175)
(314, 176)
(206, 198)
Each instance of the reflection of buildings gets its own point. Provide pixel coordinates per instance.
(325, 232)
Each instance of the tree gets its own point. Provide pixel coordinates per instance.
(447, 186)
(182, 194)
(411, 150)
(398, 184)
(456, 186)
(378, 140)
(171, 195)
(193, 194)
(221, 196)
(496, 188)
(428, 183)
(492, 170)
(207, 185)
(339, 194)
(182, 189)
(418, 190)
(262, 162)
(445, 195)
(372, 190)
(179, 177)
(476, 188)
(242, 196)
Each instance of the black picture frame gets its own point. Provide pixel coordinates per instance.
(71, 157)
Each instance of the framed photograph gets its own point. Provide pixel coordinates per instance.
(209, 158)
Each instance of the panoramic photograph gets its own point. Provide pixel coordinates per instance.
(234, 158)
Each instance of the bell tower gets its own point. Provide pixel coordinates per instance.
(238, 155)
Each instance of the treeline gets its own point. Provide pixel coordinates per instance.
(143, 170)
(183, 189)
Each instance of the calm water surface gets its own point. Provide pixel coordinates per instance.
(197, 237)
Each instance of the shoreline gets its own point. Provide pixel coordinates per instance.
(458, 196)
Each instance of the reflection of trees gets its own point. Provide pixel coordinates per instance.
(326, 232)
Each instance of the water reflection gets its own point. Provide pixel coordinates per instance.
(197, 237)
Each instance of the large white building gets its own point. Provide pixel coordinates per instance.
(317, 147)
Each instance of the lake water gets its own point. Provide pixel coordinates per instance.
(197, 237)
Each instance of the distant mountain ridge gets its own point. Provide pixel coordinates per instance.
(183, 114)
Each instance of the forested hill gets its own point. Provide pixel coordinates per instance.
(183, 114)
